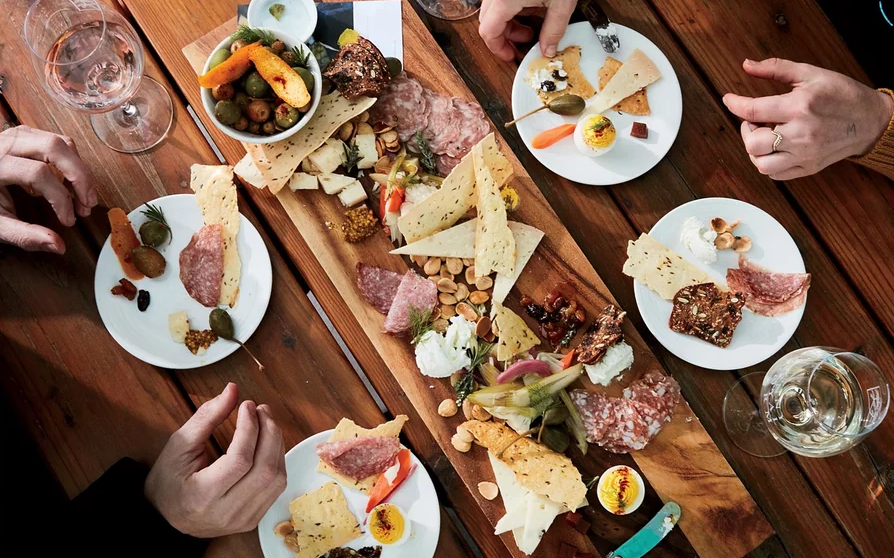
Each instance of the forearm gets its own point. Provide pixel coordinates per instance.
(881, 157)
(112, 518)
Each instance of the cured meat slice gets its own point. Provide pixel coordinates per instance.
(474, 126)
(402, 105)
(768, 292)
(445, 163)
(444, 123)
(360, 458)
(414, 291)
(201, 265)
(378, 286)
(624, 424)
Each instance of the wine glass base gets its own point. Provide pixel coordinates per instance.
(450, 10)
(149, 124)
(744, 424)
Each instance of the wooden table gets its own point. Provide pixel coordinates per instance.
(82, 398)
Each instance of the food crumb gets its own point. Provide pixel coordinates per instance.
(328, 225)
(198, 341)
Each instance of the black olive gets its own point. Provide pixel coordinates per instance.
(558, 76)
(548, 86)
(143, 300)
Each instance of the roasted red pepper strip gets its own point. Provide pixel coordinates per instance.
(567, 360)
(383, 488)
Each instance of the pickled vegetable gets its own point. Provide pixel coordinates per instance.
(148, 260)
(153, 233)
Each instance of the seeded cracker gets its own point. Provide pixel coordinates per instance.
(322, 521)
(659, 268)
(515, 336)
(707, 313)
(217, 199)
(495, 248)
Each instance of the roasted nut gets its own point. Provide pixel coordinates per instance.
(478, 297)
(460, 445)
(720, 226)
(465, 310)
(291, 542)
(470, 275)
(454, 265)
(463, 433)
(489, 337)
(447, 312)
(446, 286)
(494, 329)
(482, 328)
(467, 409)
(445, 274)
(419, 260)
(389, 137)
(488, 490)
(283, 528)
(432, 266)
(742, 244)
(478, 413)
(363, 129)
(436, 313)
(383, 165)
(468, 261)
(447, 408)
(434, 279)
(364, 117)
(455, 378)
(380, 128)
(462, 292)
(484, 283)
(447, 298)
(440, 325)
(724, 240)
(346, 131)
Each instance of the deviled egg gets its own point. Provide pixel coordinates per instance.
(389, 525)
(594, 135)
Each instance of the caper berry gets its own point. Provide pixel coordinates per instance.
(153, 233)
(221, 323)
(306, 76)
(257, 111)
(219, 57)
(255, 85)
(227, 112)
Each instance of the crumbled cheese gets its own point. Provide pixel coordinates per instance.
(699, 240)
(418, 192)
(545, 79)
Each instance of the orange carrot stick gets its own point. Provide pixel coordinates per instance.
(548, 137)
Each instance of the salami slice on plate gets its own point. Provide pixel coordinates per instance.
(378, 286)
(201, 265)
(767, 292)
(359, 458)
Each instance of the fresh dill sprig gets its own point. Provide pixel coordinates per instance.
(464, 387)
(427, 158)
(154, 213)
(249, 35)
(479, 354)
(420, 323)
(352, 157)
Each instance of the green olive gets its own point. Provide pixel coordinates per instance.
(268, 128)
(258, 111)
(555, 439)
(153, 233)
(394, 66)
(278, 47)
(241, 99)
(567, 105)
(219, 57)
(306, 76)
(221, 323)
(255, 85)
(227, 112)
(288, 57)
(148, 261)
(286, 116)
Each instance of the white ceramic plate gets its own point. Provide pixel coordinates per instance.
(416, 496)
(630, 157)
(145, 335)
(758, 337)
(299, 18)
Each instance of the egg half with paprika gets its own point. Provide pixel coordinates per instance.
(389, 525)
(595, 135)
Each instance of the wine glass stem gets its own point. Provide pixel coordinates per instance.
(130, 112)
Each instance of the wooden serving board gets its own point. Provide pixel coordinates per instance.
(719, 519)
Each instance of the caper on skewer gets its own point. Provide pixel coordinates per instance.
(222, 325)
(566, 105)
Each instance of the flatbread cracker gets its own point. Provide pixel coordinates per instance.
(577, 83)
(536, 467)
(249, 173)
(278, 161)
(515, 337)
(661, 269)
(348, 429)
(456, 242)
(218, 202)
(456, 196)
(527, 238)
(322, 521)
(636, 104)
(495, 248)
(635, 74)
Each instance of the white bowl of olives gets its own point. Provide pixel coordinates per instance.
(247, 108)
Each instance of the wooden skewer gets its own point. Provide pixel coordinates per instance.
(508, 124)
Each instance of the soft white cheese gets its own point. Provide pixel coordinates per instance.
(546, 74)
(618, 358)
(439, 356)
(418, 192)
(699, 240)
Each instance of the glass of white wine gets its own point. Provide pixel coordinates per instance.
(91, 60)
(815, 402)
(451, 10)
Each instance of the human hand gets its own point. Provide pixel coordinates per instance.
(232, 494)
(25, 158)
(499, 29)
(825, 118)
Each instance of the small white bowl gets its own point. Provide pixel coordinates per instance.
(299, 18)
(290, 41)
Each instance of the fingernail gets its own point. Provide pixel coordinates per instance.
(550, 51)
(749, 61)
(251, 406)
(93, 198)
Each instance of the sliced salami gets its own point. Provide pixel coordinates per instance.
(201, 265)
(444, 123)
(446, 163)
(360, 458)
(474, 126)
(403, 106)
(414, 291)
(656, 390)
(768, 292)
(378, 286)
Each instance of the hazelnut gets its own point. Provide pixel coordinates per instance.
(488, 490)
(432, 266)
(346, 131)
(463, 434)
(460, 445)
(283, 528)
(447, 408)
(484, 283)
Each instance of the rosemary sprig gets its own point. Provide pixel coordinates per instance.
(249, 35)
(154, 213)
(352, 157)
(420, 323)
(464, 387)
(479, 354)
(300, 56)
(427, 157)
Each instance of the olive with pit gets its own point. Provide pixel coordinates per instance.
(227, 112)
(394, 66)
(153, 233)
(306, 76)
(278, 47)
(253, 128)
(268, 128)
(219, 57)
(223, 92)
(258, 111)
(255, 85)
(148, 261)
(286, 116)
(241, 124)
(241, 99)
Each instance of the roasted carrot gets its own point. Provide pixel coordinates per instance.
(383, 487)
(548, 137)
(123, 241)
(230, 69)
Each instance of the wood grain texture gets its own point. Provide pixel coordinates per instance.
(311, 215)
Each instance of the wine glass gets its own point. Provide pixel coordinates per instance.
(91, 60)
(451, 10)
(815, 402)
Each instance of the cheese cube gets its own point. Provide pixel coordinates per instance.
(352, 195)
(308, 167)
(334, 183)
(329, 156)
(178, 325)
(366, 148)
(303, 181)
